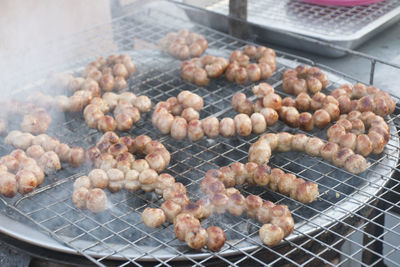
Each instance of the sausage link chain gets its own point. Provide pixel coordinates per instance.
(240, 69)
(38, 146)
(260, 151)
(362, 98)
(200, 70)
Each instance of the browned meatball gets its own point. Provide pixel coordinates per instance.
(227, 127)
(179, 128)
(271, 234)
(79, 197)
(341, 156)
(153, 218)
(299, 142)
(314, 146)
(76, 156)
(356, 164)
(96, 200)
(195, 130)
(106, 123)
(49, 162)
(306, 122)
(216, 238)
(211, 127)
(26, 181)
(321, 118)
(243, 124)
(8, 184)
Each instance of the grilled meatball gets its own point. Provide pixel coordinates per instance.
(314, 146)
(26, 181)
(179, 128)
(299, 142)
(190, 114)
(106, 123)
(8, 184)
(140, 165)
(153, 218)
(196, 237)
(82, 181)
(171, 210)
(258, 122)
(49, 162)
(79, 197)
(143, 103)
(227, 127)
(356, 164)
(35, 151)
(76, 156)
(98, 178)
(116, 180)
(195, 130)
(216, 238)
(211, 127)
(96, 200)
(243, 124)
(271, 234)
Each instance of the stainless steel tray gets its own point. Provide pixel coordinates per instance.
(52, 221)
(271, 20)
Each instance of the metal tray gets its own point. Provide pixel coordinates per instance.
(271, 21)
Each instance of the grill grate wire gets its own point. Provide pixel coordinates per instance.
(95, 236)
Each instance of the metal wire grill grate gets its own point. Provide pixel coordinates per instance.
(345, 200)
(326, 22)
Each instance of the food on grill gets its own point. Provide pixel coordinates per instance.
(303, 79)
(243, 124)
(79, 197)
(326, 109)
(201, 70)
(84, 181)
(190, 114)
(362, 98)
(211, 127)
(350, 131)
(28, 175)
(153, 218)
(126, 106)
(116, 180)
(26, 181)
(43, 143)
(260, 151)
(49, 162)
(96, 200)
(183, 44)
(262, 175)
(240, 69)
(227, 127)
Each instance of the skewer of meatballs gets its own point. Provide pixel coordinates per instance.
(180, 118)
(116, 168)
(260, 151)
(262, 175)
(350, 132)
(46, 150)
(276, 219)
(126, 108)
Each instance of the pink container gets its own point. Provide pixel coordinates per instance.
(342, 2)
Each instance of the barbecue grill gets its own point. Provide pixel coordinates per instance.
(345, 201)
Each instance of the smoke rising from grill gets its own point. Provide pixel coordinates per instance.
(34, 34)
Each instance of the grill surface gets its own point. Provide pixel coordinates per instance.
(119, 232)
